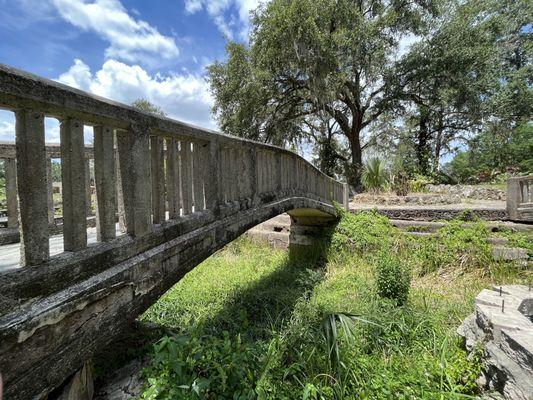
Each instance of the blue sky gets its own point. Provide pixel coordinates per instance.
(123, 49)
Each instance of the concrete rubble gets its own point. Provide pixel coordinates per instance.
(502, 327)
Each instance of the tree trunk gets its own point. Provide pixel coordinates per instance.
(422, 146)
(438, 145)
(354, 169)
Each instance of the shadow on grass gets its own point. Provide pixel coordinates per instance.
(254, 312)
(257, 310)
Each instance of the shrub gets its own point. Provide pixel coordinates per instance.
(458, 245)
(393, 279)
(400, 184)
(419, 183)
(374, 177)
(207, 367)
(363, 232)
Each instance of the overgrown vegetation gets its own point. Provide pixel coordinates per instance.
(374, 177)
(252, 322)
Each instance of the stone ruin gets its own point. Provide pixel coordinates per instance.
(502, 327)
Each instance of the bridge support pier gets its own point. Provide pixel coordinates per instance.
(310, 231)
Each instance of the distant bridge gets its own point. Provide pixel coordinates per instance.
(180, 193)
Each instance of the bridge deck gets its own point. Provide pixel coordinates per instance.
(10, 253)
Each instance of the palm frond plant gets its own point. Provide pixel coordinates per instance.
(375, 177)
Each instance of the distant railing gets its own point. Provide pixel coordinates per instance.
(520, 198)
(147, 168)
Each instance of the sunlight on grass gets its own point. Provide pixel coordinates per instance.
(250, 322)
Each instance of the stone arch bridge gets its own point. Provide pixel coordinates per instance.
(180, 193)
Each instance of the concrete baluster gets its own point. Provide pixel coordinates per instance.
(120, 198)
(173, 179)
(158, 179)
(279, 174)
(267, 172)
(249, 170)
(73, 169)
(254, 176)
(223, 172)
(105, 183)
(213, 177)
(31, 184)
(50, 190)
(232, 178)
(186, 177)
(135, 177)
(198, 186)
(10, 168)
(259, 172)
(88, 190)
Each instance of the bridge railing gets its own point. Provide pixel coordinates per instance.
(148, 169)
(520, 198)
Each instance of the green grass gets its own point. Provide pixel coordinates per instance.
(254, 322)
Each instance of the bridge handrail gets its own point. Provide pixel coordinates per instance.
(156, 164)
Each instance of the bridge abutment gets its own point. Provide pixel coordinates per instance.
(309, 229)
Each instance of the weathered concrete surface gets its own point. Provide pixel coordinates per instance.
(275, 231)
(73, 183)
(11, 192)
(435, 213)
(104, 292)
(31, 186)
(78, 387)
(509, 253)
(123, 384)
(10, 253)
(502, 325)
(105, 182)
(520, 198)
(53, 316)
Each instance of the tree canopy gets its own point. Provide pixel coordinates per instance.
(336, 73)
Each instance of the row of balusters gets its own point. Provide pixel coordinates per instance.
(146, 179)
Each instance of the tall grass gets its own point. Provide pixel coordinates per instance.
(252, 322)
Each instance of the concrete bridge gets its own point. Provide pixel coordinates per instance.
(181, 193)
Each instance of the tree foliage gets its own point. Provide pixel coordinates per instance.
(337, 74)
(311, 61)
(146, 106)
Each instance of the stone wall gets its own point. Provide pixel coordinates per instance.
(409, 200)
(469, 192)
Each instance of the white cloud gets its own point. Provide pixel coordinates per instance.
(130, 39)
(222, 12)
(182, 96)
(7, 126)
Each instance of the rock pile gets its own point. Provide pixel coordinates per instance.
(502, 326)
(469, 191)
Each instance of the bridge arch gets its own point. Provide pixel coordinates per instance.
(180, 192)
